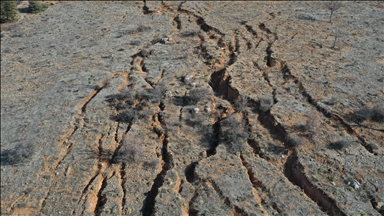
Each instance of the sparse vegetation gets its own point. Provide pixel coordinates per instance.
(313, 124)
(378, 111)
(198, 94)
(233, 133)
(158, 92)
(335, 34)
(363, 114)
(295, 140)
(340, 144)
(130, 150)
(128, 115)
(8, 11)
(194, 119)
(128, 95)
(265, 103)
(35, 6)
(333, 6)
(241, 103)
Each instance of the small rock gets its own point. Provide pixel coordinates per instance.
(144, 53)
(352, 183)
(207, 109)
(187, 78)
(196, 110)
(168, 94)
(193, 84)
(164, 40)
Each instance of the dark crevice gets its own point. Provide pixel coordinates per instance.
(270, 61)
(251, 30)
(255, 182)
(100, 147)
(101, 199)
(267, 30)
(123, 182)
(178, 22)
(190, 172)
(44, 200)
(205, 27)
(232, 59)
(84, 107)
(218, 84)
(276, 130)
(191, 211)
(325, 112)
(149, 202)
(87, 186)
(116, 152)
(225, 199)
(256, 147)
(216, 129)
(294, 171)
(161, 106)
(117, 132)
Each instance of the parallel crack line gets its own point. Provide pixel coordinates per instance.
(295, 174)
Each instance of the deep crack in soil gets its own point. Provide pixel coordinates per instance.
(294, 171)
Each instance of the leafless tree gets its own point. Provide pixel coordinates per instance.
(333, 6)
(199, 94)
(336, 34)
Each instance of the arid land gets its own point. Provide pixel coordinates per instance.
(193, 108)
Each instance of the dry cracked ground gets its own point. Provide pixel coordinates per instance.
(193, 108)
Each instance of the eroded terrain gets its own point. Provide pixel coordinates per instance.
(193, 108)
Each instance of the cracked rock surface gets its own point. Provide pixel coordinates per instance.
(193, 108)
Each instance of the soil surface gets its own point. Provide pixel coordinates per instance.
(193, 108)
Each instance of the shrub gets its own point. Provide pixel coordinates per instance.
(128, 95)
(144, 95)
(340, 144)
(154, 163)
(146, 113)
(313, 123)
(157, 93)
(361, 115)
(241, 103)
(130, 150)
(198, 94)
(36, 7)
(128, 115)
(194, 119)
(233, 132)
(378, 111)
(265, 103)
(295, 140)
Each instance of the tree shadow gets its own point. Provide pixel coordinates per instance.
(375, 114)
(19, 154)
